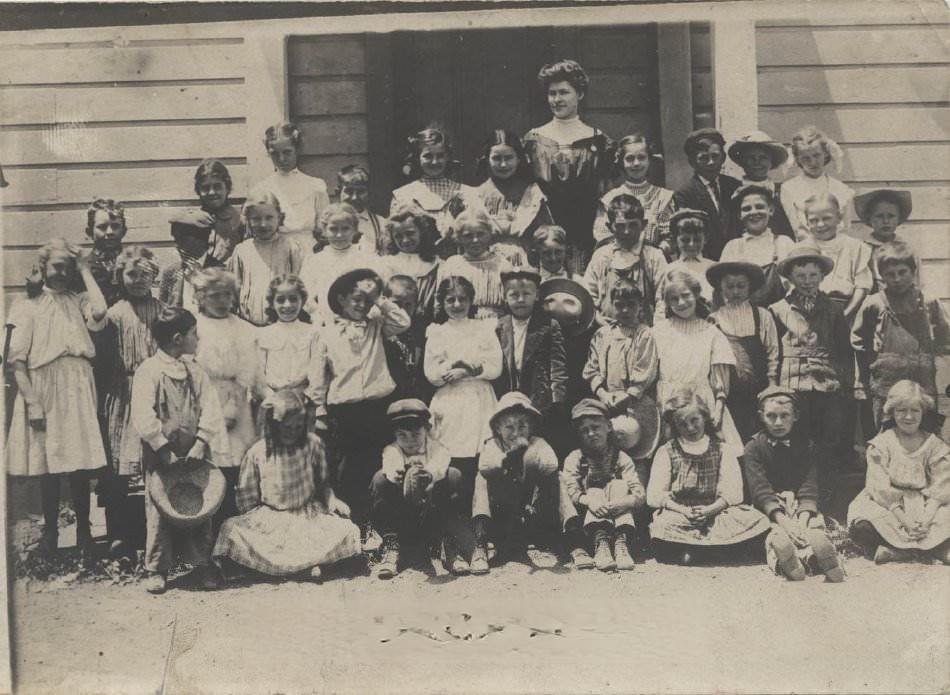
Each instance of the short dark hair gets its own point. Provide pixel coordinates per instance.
(170, 322)
(629, 205)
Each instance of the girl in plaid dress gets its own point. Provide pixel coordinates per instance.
(696, 486)
(290, 520)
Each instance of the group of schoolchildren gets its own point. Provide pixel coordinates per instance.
(468, 371)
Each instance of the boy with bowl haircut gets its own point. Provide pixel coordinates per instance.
(780, 464)
(416, 490)
(604, 487)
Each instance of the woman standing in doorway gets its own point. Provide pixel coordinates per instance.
(571, 159)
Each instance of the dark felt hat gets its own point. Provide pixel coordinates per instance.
(716, 271)
(349, 278)
(774, 391)
(692, 139)
(864, 203)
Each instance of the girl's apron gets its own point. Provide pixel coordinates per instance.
(751, 377)
(695, 477)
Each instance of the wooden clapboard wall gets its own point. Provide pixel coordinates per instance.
(127, 120)
(880, 90)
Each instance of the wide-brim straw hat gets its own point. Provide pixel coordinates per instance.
(350, 277)
(646, 412)
(777, 152)
(864, 203)
(804, 252)
(511, 402)
(575, 289)
(187, 493)
(716, 271)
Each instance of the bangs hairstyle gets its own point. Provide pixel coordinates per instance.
(564, 70)
(290, 403)
(115, 210)
(452, 284)
(171, 321)
(212, 168)
(633, 139)
(429, 234)
(261, 199)
(680, 400)
(907, 392)
(626, 207)
(681, 277)
(822, 199)
(808, 136)
(275, 285)
(284, 129)
(212, 278)
(135, 256)
(503, 137)
(624, 289)
(895, 253)
(417, 142)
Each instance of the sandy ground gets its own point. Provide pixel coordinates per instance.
(523, 629)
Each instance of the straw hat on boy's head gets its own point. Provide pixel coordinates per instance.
(864, 203)
(804, 252)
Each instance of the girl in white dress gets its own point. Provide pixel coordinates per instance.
(287, 345)
(814, 153)
(693, 352)
(227, 351)
(462, 358)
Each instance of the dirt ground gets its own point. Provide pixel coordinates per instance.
(538, 628)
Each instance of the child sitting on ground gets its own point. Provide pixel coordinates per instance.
(54, 430)
(626, 256)
(751, 333)
(899, 331)
(757, 244)
(290, 520)
(688, 230)
(213, 186)
(416, 491)
(904, 508)
(604, 487)
(177, 416)
(696, 488)
(782, 473)
(258, 260)
(517, 482)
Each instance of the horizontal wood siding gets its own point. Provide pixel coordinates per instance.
(882, 90)
(125, 120)
(328, 100)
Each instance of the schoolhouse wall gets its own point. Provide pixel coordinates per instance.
(127, 119)
(880, 89)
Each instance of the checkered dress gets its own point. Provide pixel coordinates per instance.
(695, 477)
(284, 527)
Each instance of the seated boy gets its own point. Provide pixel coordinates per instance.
(416, 490)
(625, 256)
(176, 413)
(517, 480)
(603, 485)
(780, 465)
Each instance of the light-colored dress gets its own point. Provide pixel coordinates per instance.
(285, 350)
(302, 198)
(461, 410)
(694, 353)
(51, 336)
(227, 350)
(320, 269)
(434, 195)
(798, 189)
(657, 205)
(485, 276)
(698, 473)
(255, 263)
(909, 479)
(135, 344)
(284, 526)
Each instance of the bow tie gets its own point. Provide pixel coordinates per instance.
(779, 442)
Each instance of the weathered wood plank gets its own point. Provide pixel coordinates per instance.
(328, 97)
(853, 45)
(934, 276)
(859, 124)
(334, 135)
(108, 103)
(146, 225)
(67, 65)
(63, 144)
(899, 162)
(611, 90)
(327, 55)
(626, 47)
(891, 85)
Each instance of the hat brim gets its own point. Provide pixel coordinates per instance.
(187, 494)
(575, 289)
(715, 273)
(646, 411)
(347, 277)
(513, 408)
(864, 202)
(784, 266)
(778, 155)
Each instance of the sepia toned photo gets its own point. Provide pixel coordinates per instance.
(476, 347)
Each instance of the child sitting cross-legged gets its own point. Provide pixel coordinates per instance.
(603, 485)
(782, 472)
(517, 481)
(416, 491)
(290, 520)
(696, 488)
